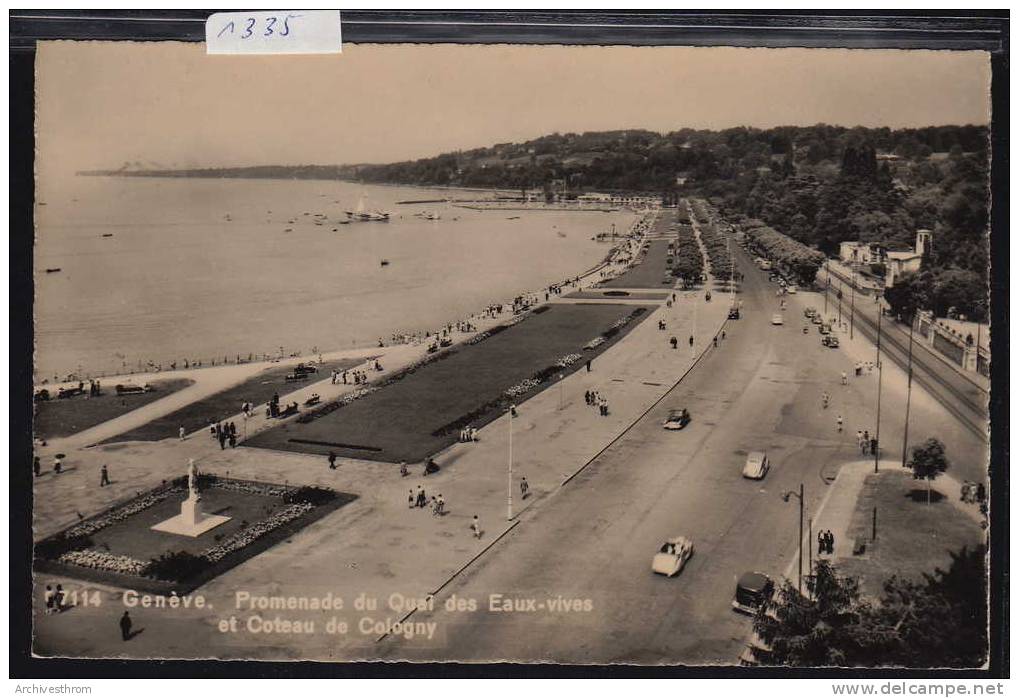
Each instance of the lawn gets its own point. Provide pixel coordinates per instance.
(57, 418)
(649, 273)
(258, 389)
(912, 537)
(399, 421)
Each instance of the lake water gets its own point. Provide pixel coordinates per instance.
(202, 268)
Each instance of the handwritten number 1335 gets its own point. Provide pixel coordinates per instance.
(270, 27)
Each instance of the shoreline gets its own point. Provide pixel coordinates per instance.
(148, 372)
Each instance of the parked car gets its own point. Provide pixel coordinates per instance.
(672, 556)
(816, 319)
(776, 319)
(677, 419)
(830, 341)
(824, 329)
(753, 590)
(305, 368)
(757, 465)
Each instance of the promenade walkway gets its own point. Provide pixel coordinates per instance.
(377, 544)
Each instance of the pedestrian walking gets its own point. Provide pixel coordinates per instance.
(476, 527)
(838, 423)
(58, 599)
(873, 446)
(822, 542)
(125, 626)
(410, 499)
(831, 543)
(104, 476)
(674, 342)
(588, 365)
(332, 460)
(845, 378)
(212, 430)
(36, 466)
(181, 432)
(232, 440)
(691, 340)
(48, 597)
(403, 469)
(422, 498)
(233, 429)
(222, 440)
(723, 334)
(513, 410)
(524, 488)
(714, 341)
(474, 434)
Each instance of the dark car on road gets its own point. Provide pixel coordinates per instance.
(734, 313)
(677, 419)
(830, 341)
(753, 590)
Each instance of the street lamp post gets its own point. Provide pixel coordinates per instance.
(880, 370)
(509, 472)
(852, 304)
(909, 391)
(799, 561)
(827, 285)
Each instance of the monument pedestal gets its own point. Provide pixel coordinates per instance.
(191, 521)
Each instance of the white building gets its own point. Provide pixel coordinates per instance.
(859, 252)
(897, 263)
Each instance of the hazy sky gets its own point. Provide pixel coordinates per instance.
(101, 104)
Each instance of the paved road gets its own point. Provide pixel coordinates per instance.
(960, 396)
(594, 539)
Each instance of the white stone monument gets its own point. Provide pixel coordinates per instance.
(191, 521)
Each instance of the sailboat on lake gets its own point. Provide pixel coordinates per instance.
(361, 213)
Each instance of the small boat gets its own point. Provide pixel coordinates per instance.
(107, 235)
(52, 270)
(288, 230)
(513, 218)
(362, 214)
(384, 263)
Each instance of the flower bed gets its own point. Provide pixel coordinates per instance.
(256, 531)
(98, 523)
(99, 560)
(595, 343)
(334, 405)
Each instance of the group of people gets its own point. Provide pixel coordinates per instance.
(866, 442)
(825, 542)
(54, 599)
(860, 366)
(224, 433)
(419, 500)
(468, 434)
(355, 377)
(593, 399)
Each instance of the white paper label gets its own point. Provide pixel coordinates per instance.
(283, 31)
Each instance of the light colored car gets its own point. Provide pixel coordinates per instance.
(671, 557)
(790, 289)
(776, 319)
(757, 465)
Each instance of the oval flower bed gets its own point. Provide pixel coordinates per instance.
(99, 560)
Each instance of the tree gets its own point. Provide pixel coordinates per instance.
(940, 621)
(928, 461)
(821, 628)
(909, 293)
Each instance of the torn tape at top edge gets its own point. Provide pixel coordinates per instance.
(273, 32)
